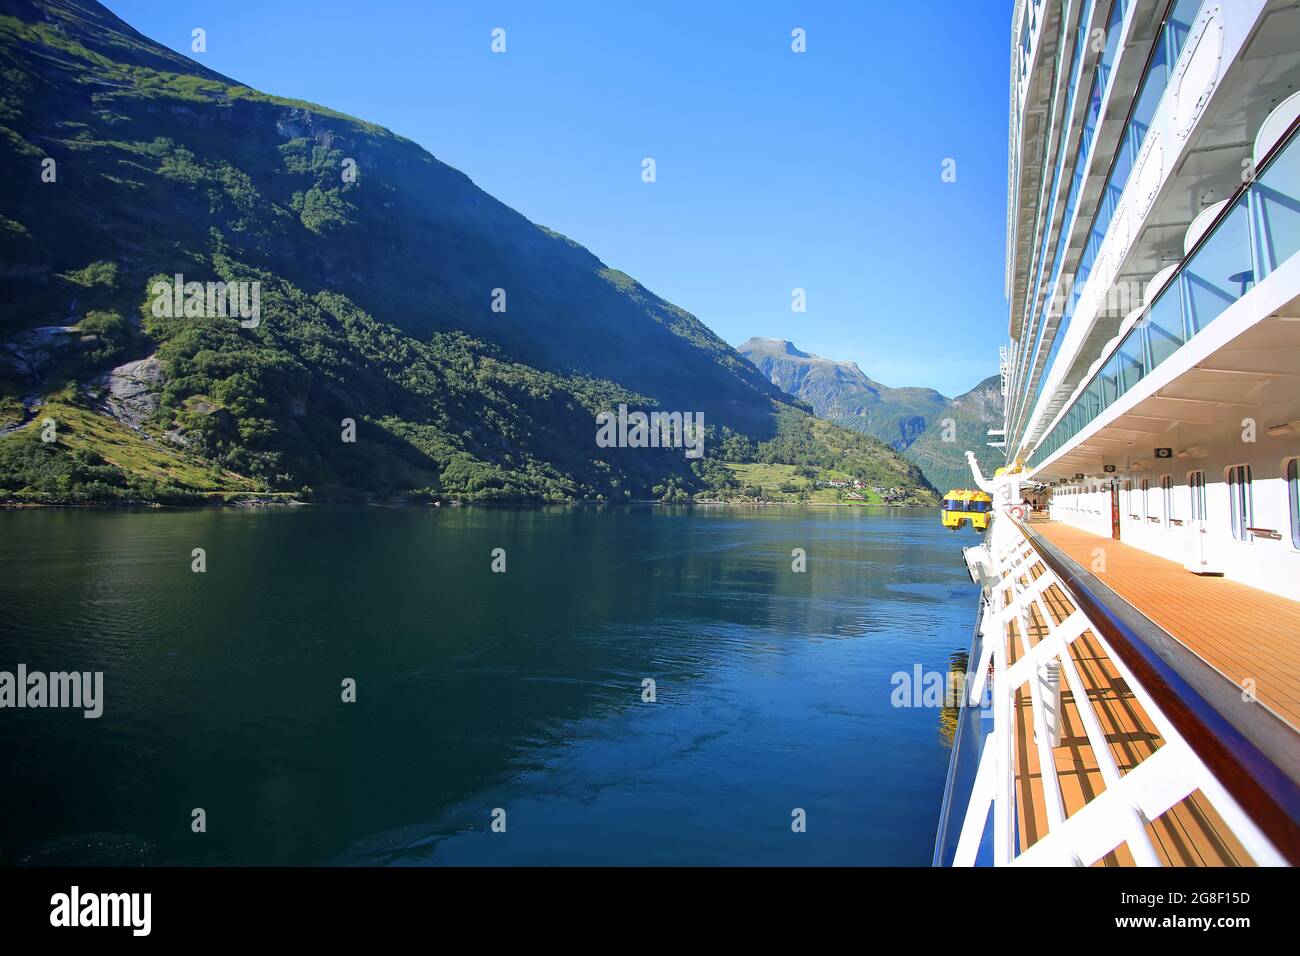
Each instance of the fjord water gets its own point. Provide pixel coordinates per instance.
(478, 690)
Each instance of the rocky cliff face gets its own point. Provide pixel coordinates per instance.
(130, 391)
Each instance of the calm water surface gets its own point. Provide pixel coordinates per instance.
(478, 690)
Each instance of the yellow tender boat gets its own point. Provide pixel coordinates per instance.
(962, 505)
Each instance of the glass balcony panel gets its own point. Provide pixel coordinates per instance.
(1110, 382)
(1220, 272)
(1095, 237)
(1123, 164)
(1092, 403)
(1153, 87)
(1131, 366)
(1276, 202)
(1180, 25)
(1163, 325)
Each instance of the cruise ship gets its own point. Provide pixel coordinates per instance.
(1133, 689)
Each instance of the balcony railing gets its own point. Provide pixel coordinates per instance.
(1072, 86)
(1159, 71)
(1257, 231)
(1035, 320)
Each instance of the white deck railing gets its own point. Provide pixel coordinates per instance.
(1130, 801)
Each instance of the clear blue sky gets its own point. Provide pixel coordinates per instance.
(775, 170)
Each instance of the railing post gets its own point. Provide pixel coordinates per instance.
(1049, 681)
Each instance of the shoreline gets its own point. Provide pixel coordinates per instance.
(258, 502)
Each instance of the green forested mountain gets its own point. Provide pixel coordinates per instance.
(972, 413)
(910, 420)
(471, 347)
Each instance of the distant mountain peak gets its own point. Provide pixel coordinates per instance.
(781, 346)
(906, 418)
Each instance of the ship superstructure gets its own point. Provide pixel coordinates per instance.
(1141, 633)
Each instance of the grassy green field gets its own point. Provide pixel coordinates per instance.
(786, 483)
(115, 462)
(118, 445)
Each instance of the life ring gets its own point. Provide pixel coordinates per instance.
(1018, 512)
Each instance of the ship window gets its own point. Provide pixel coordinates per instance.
(1167, 493)
(1196, 492)
(1293, 498)
(1240, 501)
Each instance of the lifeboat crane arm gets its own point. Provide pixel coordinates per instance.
(981, 482)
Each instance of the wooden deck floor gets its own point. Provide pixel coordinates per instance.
(1191, 833)
(1243, 632)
